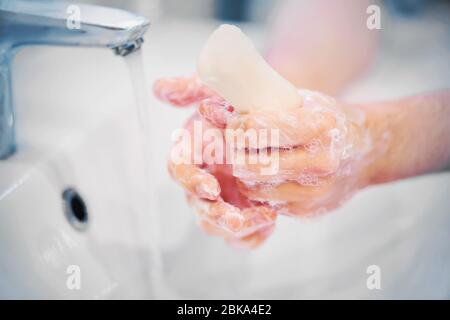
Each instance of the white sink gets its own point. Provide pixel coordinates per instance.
(90, 142)
(77, 128)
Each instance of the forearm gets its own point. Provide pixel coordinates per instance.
(410, 137)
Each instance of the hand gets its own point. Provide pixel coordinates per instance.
(323, 156)
(211, 188)
(322, 149)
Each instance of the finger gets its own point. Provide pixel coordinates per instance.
(316, 100)
(195, 180)
(305, 209)
(185, 168)
(250, 241)
(253, 240)
(226, 220)
(330, 199)
(257, 218)
(308, 187)
(294, 127)
(212, 229)
(288, 164)
(181, 91)
(217, 111)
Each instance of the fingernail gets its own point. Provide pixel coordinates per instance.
(208, 191)
(232, 221)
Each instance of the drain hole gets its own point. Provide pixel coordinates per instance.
(75, 209)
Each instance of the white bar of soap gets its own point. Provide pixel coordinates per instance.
(230, 64)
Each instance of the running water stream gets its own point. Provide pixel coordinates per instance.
(151, 229)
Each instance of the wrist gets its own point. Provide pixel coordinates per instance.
(379, 157)
(409, 137)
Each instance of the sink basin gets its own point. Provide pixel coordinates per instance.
(77, 130)
(71, 140)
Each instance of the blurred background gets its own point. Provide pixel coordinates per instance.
(416, 30)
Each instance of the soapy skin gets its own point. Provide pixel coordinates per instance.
(328, 151)
(322, 148)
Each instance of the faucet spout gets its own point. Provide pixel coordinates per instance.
(26, 22)
(128, 48)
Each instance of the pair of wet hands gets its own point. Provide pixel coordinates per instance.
(322, 150)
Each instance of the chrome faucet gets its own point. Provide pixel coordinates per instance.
(55, 23)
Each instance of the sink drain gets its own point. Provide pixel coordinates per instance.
(75, 209)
